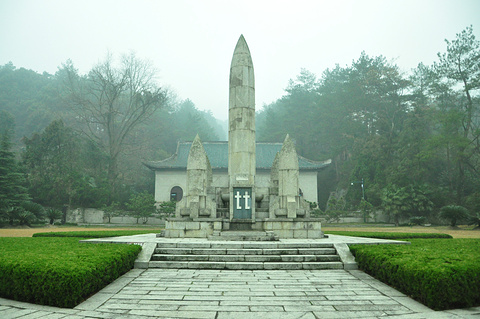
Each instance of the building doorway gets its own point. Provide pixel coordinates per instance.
(176, 194)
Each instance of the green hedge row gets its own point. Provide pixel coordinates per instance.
(59, 272)
(441, 274)
(380, 235)
(96, 233)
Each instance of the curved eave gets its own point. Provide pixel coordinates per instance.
(313, 165)
(155, 165)
(160, 166)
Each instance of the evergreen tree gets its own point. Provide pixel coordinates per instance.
(12, 190)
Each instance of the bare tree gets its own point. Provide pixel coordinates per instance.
(112, 101)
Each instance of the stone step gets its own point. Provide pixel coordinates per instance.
(241, 244)
(247, 258)
(245, 255)
(245, 251)
(246, 265)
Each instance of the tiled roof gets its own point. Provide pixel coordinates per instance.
(217, 153)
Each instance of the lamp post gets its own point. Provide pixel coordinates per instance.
(363, 195)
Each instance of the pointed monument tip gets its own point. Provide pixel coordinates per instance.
(197, 158)
(241, 54)
(242, 44)
(288, 144)
(196, 140)
(287, 158)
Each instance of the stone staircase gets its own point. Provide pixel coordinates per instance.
(247, 255)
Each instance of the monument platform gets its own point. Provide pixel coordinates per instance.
(274, 227)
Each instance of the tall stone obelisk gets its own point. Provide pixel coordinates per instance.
(241, 134)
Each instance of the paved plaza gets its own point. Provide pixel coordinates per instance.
(218, 294)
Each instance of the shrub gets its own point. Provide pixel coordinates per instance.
(167, 209)
(418, 220)
(366, 208)
(474, 219)
(59, 271)
(25, 217)
(25, 213)
(111, 210)
(34, 210)
(142, 206)
(316, 213)
(53, 214)
(401, 202)
(335, 209)
(442, 274)
(453, 213)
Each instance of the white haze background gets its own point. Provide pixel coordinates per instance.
(191, 42)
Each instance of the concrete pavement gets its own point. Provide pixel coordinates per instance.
(217, 294)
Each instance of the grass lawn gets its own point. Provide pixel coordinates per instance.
(462, 231)
(30, 231)
(94, 233)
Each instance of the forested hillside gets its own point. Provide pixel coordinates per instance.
(81, 139)
(413, 138)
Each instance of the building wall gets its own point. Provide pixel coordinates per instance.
(307, 181)
(166, 180)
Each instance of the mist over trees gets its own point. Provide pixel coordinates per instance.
(81, 139)
(413, 138)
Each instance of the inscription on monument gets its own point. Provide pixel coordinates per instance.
(242, 202)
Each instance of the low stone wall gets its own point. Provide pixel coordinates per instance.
(96, 216)
(379, 217)
(85, 216)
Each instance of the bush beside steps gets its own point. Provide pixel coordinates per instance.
(59, 272)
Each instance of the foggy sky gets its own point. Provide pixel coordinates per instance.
(191, 42)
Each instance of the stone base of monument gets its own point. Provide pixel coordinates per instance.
(265, 229)
(250, 235)
(192, 228)
(294, 228)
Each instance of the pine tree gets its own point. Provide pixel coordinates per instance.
(12, 191)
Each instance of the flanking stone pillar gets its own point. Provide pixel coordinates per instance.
(273, 191)
(199, 196)
(288, 178)
(286, 202)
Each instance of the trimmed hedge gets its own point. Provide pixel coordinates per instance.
(59, 272)
(380, 235)
(95, 233)
(441, 274)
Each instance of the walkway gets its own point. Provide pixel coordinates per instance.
(218, 294)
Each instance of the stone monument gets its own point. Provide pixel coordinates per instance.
(278, 210)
